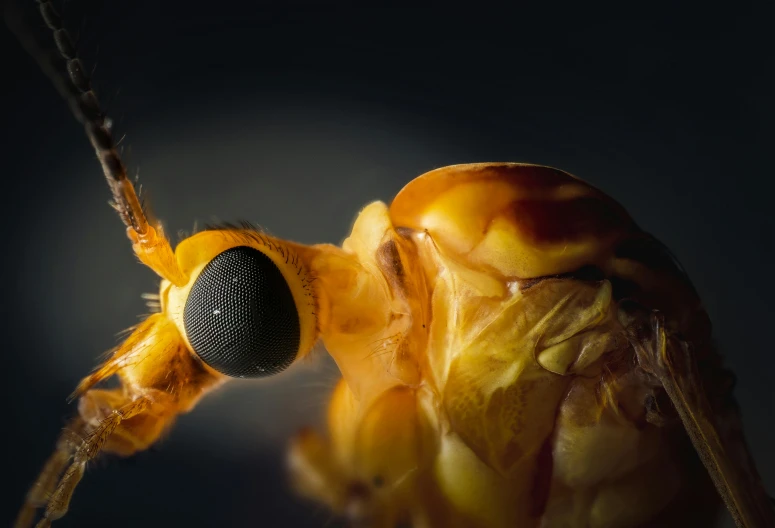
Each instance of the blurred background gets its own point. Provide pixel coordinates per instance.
(294, 115)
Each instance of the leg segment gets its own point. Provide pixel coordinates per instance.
(91, 445)
(159, 379)
(109, 421)
(48, 479)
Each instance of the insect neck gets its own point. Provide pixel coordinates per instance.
(372, 305)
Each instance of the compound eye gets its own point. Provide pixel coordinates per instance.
(240, 316)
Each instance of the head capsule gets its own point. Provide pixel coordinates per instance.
(247, 310)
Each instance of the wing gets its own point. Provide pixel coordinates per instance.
(701, 395)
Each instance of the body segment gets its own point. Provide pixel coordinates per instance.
(533, 407)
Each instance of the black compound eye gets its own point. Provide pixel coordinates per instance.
(240, 316)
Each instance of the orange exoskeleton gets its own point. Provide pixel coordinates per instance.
(514, 351)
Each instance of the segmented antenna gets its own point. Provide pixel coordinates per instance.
(83, 102)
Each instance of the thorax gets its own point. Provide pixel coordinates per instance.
(474, 389)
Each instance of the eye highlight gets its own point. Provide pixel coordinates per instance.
(240, 316)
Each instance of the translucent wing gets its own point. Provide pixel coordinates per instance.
(712, 422)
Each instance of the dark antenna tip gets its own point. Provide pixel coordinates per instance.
(67, 73)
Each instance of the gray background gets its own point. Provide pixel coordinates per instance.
(294, 117)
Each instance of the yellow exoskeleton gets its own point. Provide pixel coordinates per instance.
(514, 351)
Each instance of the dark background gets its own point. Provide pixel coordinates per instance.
(294, 117)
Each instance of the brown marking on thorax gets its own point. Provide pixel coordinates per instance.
(389, 260)
(552, 221)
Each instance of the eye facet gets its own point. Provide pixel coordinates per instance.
(240, 316)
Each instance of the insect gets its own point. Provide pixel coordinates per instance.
(402, 368)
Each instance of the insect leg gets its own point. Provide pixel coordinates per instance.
(48, 479)
(159, 379)
(711, 420)
(315, 470)
(91, 445)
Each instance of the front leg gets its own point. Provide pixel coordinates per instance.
(46, 483)
(160, 379)
(94, 441)
(109, 421)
